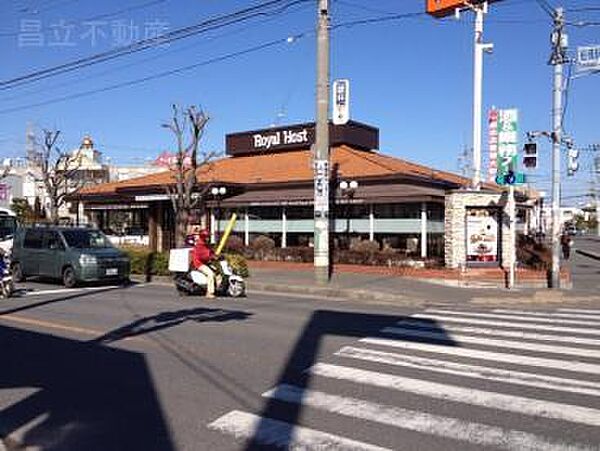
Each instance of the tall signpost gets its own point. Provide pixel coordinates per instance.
(321, 152)
(443, 8)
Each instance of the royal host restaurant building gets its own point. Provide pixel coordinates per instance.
(267, 178)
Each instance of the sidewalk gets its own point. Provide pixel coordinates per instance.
(404, 286)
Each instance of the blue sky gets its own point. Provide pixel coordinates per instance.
(412, 78)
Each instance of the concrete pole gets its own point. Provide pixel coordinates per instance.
(423, 229)
(283, 228)
(371, 223)
(477, 93)
(321, 202)
(212, 226)
(556, 140)
(246, 228)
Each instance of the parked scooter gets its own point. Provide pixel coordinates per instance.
(228, 282)
(7, 284)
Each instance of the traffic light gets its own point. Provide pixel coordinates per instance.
(572, 163)
(530, 155)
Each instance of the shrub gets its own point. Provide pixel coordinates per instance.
(238, 264)
(533, 254)
(144, 261)
(235, 245)
(262, 246)
(365, 246)
(295, 254)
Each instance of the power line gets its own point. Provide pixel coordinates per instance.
(203, 63)
(155, 76)
(546, 7)
(96, 17)
(118, 68)
(180, 33)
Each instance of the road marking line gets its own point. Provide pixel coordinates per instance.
(509, 325)
(513, 317)
(546, 314)
(504, 333)
(69, 290)
(453, 428)
(516, 359)
(473, 371)
(270, 432)
(499, 343)
(497, 401)
(60, 326)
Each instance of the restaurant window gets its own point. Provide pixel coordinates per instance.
(265, 212)
(398, 211)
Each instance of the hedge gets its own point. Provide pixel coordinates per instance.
(144, 261)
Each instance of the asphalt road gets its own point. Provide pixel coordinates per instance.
(141, 368)
(586, 269)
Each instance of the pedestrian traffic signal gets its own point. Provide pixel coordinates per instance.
(510, 177)
(530, 155)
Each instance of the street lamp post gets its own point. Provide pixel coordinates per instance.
(347, 190)
(218, 192)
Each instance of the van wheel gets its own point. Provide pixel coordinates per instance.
(69, 279)
(17, 272)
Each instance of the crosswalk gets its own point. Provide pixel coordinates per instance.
(459, 379)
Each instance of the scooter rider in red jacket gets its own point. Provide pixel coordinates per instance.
(201, 255)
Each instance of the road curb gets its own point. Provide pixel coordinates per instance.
(335, 293)
(332, 293)
(588, 254)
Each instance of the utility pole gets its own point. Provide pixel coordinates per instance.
(557, 59)
(597, 192)
(479, 48)
(321, 152)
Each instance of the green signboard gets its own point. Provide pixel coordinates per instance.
(508, 141)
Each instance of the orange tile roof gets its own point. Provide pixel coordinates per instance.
(288, 167)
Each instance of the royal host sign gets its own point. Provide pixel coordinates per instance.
(301, 136)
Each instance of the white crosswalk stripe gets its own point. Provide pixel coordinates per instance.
(474, 433)
(510, 325)
(577, 310)
(511, 403)
(542, 362)
(572, 315)
(518, 318)
(481, 361)
(434, 335)
(505, 333)
(474, 371)
(270, 432)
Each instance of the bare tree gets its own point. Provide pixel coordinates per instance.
(58, 171)
(185, 193)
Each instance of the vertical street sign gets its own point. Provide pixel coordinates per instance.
(341, 101)
(508, 140)
(492, 144)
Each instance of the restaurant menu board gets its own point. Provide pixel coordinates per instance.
(482, 235)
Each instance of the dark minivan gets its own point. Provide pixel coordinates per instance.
(72, 254)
